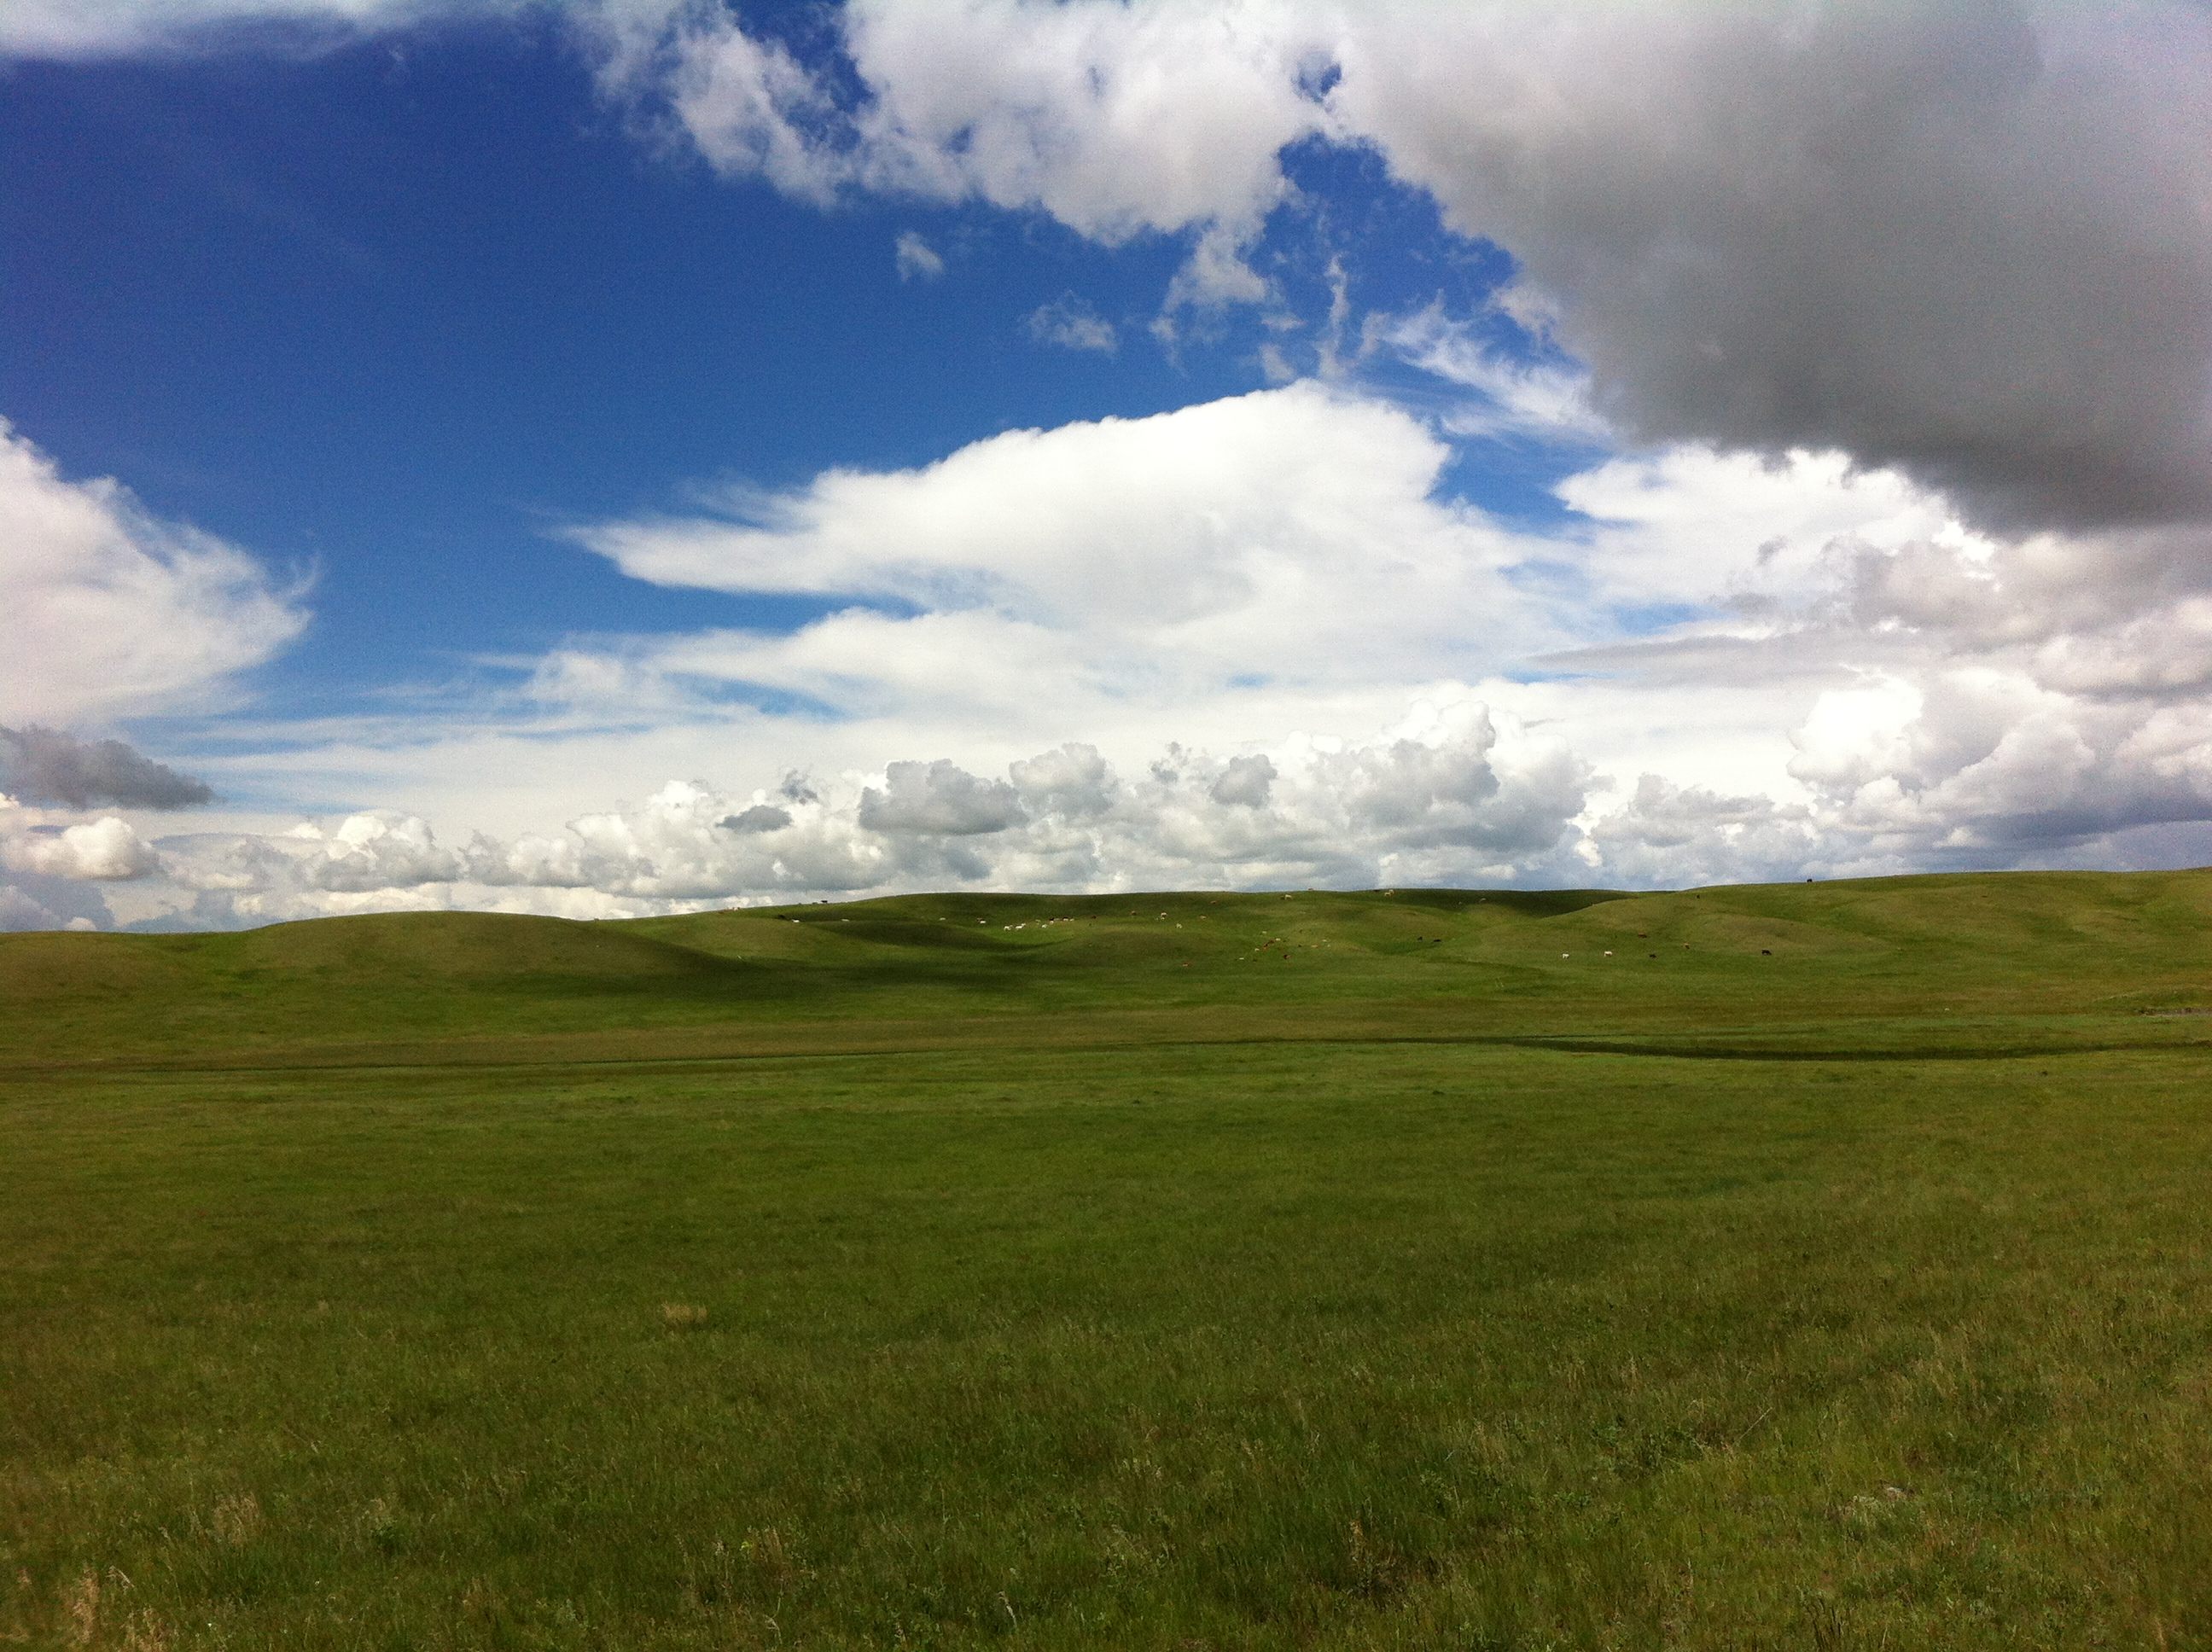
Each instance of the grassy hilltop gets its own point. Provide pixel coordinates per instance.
(1818, 1265)
(1891, 963)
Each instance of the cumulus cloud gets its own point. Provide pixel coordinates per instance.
(1281, 561)
(1969, 241)
(104, 850)
(1980, 757)
(1926, 693)
(1663, 833)
(1966, 241)
(1245, 781)
(761, 818)
(1452, 791)
(35, 900)
(939, 799)
(381, 850)
(1115, 120)
(1895, 324)
(42, 765)
(111, 611)
(1292, 535)
(1073, 780)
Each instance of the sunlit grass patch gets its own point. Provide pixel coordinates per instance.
(1701, 1320)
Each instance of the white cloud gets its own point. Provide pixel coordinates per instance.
(376, 851)
(1897, 558)
(1070, 323)
(103, 850)
(1666, 834)
(1980, 758)
(1182, 649)
(1687, 524)
(748, 104)
(1071, 780)
(1117, 120)
(1452, 791)
(110, 611)
(1513, 397)
(1289, 534)
(916, 259)
(1967, 242)
(1114, 119)
(1246, 779)
(1217, 273)
(84, 30)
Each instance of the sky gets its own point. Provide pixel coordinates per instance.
(637, 456)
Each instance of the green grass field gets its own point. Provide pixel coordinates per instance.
(1811, 1266)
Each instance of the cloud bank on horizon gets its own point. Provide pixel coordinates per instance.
(1864, 354)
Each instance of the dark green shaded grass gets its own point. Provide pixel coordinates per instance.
(1703, 1310)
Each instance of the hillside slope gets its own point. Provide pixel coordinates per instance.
(2087, 957)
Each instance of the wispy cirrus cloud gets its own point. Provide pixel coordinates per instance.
(916, 259)
(73, 31)
(1072, 324)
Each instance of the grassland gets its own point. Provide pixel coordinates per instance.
(1817, 1266)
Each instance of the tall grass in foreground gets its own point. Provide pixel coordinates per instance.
(1332, 1346)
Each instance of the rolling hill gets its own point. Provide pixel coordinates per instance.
(2072, 957)
(1817, 1265)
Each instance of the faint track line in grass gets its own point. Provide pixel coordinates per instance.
(1556, 1044)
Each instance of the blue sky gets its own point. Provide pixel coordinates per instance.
(392, 311)
(396, 309)
(1560, 453)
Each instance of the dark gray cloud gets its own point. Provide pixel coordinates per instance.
(1953, 236)
(42, 765)
(761, 818)
(1967, 238)
(940, 798)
